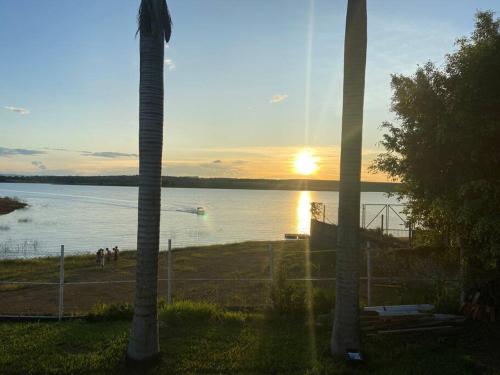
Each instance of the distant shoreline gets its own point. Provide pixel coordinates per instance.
(206, 183)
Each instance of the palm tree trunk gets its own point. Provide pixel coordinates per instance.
(345, 333)
(144, 341)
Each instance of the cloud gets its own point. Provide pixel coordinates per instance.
(21, 111)
(276, 98)
(218, 161)
(169, 63)
(39, 165)
(4, 151)
(56, 149)
(109, 154)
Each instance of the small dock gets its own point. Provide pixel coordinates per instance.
(296, 236)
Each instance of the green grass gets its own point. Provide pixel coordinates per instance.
(200, 338)
(205, 339)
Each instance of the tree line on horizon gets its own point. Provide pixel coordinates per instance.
(206, 182)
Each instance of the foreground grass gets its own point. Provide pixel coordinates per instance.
(204, 339)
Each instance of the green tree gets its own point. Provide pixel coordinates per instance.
(154, 29)
(345, 333)
(445, 150)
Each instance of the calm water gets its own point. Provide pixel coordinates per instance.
(84, 218)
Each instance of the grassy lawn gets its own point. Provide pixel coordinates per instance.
(204, 339)
(248, 337)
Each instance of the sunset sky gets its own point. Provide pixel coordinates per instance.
(248, 83)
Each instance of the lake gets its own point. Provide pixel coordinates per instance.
(84, 218)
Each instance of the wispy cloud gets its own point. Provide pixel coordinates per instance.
(4, 151)
(39, 165)
(109, 154)
(169, 63)
(277, 98)
(21, 111)
(56, 149)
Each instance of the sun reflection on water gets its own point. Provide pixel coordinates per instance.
(304, 212)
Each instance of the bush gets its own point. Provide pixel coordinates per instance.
(105, 312)
(324, 300)
(287, 298)
(447, 299)
(196, 312)
(442, 295)
(181, 310)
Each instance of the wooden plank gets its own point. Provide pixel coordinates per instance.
(415, 330)
(397, 310)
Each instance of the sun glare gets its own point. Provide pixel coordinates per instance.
(306, 163)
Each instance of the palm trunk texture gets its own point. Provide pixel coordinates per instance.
(345, 335)
(144, 342)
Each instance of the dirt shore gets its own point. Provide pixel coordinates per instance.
(239, 274)
(7, 205)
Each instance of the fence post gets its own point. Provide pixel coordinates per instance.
(382, 223)
(387, 218)
(61, 284)
(169, 272)
(271, 261)
(368, 274)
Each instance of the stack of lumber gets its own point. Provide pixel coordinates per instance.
(402, 319)
(474, 310)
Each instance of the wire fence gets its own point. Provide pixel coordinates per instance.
(60, 285)
(390, 219)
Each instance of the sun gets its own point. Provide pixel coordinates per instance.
(305, 162)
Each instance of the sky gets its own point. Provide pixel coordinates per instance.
(248, 83)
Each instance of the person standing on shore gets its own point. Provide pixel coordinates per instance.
(98, 256)
(101, 257)
(115, 253)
